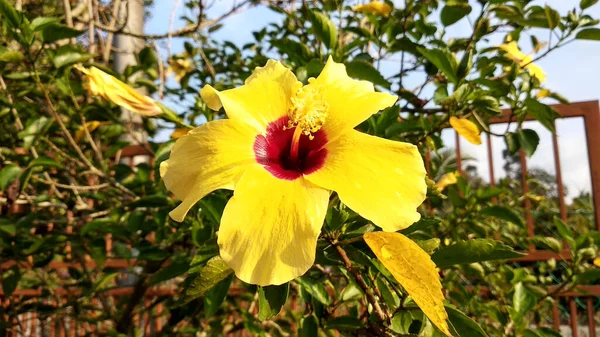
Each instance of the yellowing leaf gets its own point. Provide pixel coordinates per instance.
(414, 270)
(374, 7)
(597, 262)
(90, 126)
(447, 179)
(178, 133)
(467, 129)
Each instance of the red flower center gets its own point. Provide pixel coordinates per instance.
(273, 150)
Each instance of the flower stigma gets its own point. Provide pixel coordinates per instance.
(308, 114)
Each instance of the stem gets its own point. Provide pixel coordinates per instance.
(360, 281)
(295, 144)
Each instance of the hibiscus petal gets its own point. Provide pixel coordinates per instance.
(209, 157)
(382, 180)
(264, 98)
(350, 101)
(269, 229)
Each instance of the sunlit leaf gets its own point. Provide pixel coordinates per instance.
(414, 270)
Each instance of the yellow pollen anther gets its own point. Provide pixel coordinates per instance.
(309, 110)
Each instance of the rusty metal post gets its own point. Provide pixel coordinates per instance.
(573, 313)
(592, 133)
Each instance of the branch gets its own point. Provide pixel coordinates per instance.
(183, 32)
(359, 279)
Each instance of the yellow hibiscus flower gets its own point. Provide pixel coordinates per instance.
(374, 7)
(512, 51)
(283, 149)
(99, 83)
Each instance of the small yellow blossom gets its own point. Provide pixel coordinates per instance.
(180, 67)
(284, 148)
(90, 126)
(99, 83)
(467, 129)
(374, 7)
(512, 51)
(543, 93)
(447, 179)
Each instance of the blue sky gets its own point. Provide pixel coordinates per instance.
(572, 71)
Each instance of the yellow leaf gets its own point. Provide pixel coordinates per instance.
(178, 133)
(374, 7)
(467, 129)
(90, 126)
(597, 262)
(414, 270)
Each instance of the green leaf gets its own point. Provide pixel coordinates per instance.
(513, 143)
(502, 213)
(9, 55)
(214, 272)
(324, 28)
(8, 174)
(7, 227)
(176, 268)
(363, 70)
(344, 323)
(463, 325)
(271, 299)
(589, 34)
(529, 140)
(589, 276)
(587, 3)
(40, 23)
(552, 16)
(308, 327)
(421, 224)
(564, 230)
(55, 32)
(541, 112)
(351, 292)
(547, 242)
(471, 251)
(443, 60)
(104, 281)
(10, 280)
(44, 162)
(454, 12)
(524, 300)
(69, 54)
(215, 296)
(315, 289)
(10, 13)
(465, 65)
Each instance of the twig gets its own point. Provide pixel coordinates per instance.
(359, 279)
(20, 127)
(170, 33)
(111, 26)
(73, 187)
(180, 32)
